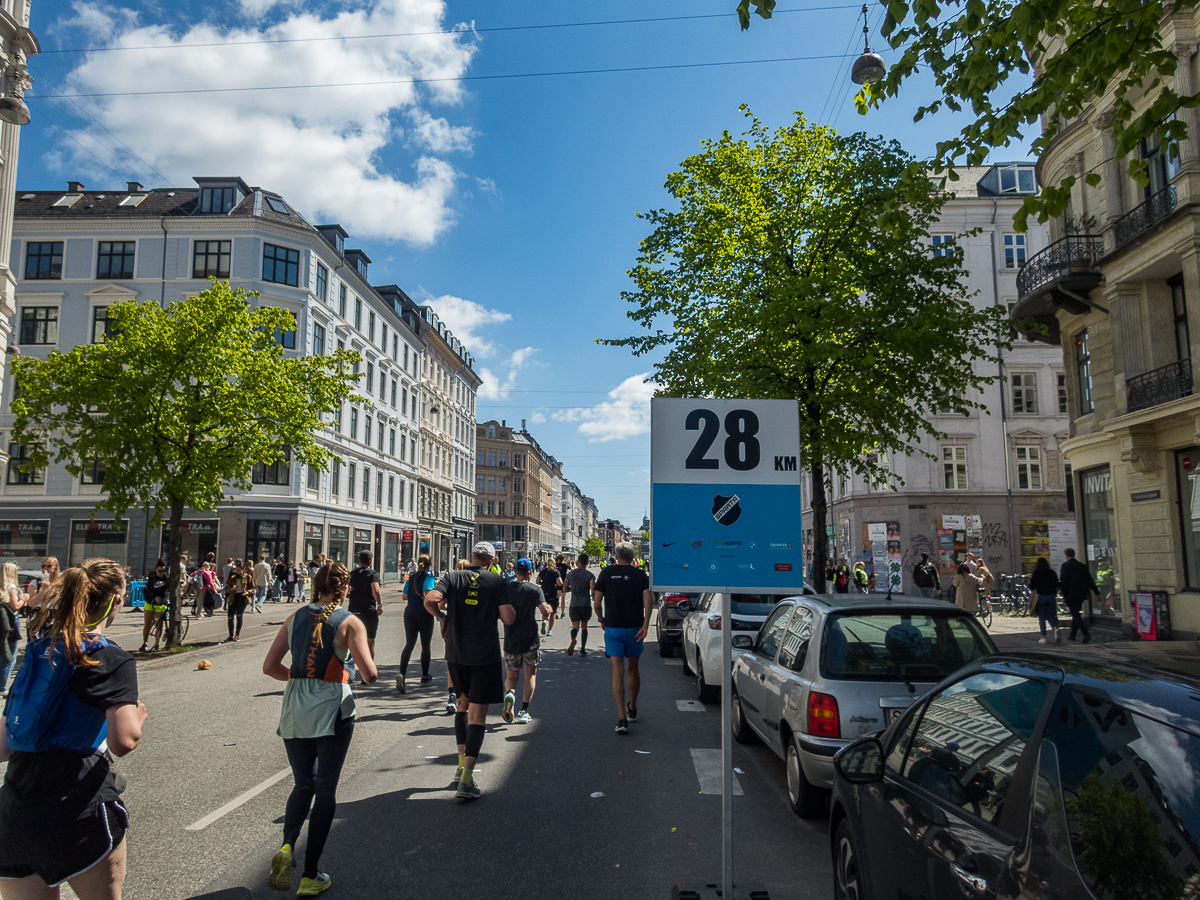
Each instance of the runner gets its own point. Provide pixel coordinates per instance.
(624, 591)
(473, 600)
(61, 815)
(581, 584)
(418, 623)
(522, 646)
(317, 719)
(551, 584)
(365, 601)
(560, 563)
(238, 590)
(158, 583)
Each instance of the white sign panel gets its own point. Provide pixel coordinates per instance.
(876, 531)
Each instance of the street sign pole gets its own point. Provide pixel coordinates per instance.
(727, 746)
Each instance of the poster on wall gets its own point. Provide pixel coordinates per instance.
(879, 564)
(1035, 542)
(945, 557)
(895, 558)
(1062, 536)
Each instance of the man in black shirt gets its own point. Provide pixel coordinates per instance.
(472, 600)
(623, 591)
(551, 583)
(365, 601)
(925, 576)
(522, 646)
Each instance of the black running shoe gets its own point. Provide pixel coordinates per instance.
(622, 727)
(631, 713)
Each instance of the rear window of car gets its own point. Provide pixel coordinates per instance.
(756, 604)
(924, 645)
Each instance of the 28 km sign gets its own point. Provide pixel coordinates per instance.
(725, 495)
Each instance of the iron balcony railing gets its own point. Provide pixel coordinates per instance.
(1073, 253)
(1137, 220)
(1160, 385)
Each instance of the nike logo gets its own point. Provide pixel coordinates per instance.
(672, 544)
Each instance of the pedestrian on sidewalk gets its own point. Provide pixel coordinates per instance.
(280, 575)
(73, 707)
(1044, 584)
(551, 584)
(158, 585)
(228, 570)
(10, 628)
(581, 584)
(317, 718)
(365, 600)
(1077, 585)
(509, 574)
(522, 645)
(291, 580)
(623, 604)
(841, 577)
(925, 577)
(473, 599)
(206, 596)
(966, 589)
(314, 566)
(418, 622)
(238, 590)
(861, 578)
(262, 581)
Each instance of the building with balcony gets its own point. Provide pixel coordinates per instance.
(993, 482)
(79, 251)
(1116, 291)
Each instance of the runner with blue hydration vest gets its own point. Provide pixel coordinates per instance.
(418, 623)
(317, 719)
(72, 708)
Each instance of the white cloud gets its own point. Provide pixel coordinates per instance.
(495, 389)
(469, 321)
(333, 152)
(625, 414)
(537, 418)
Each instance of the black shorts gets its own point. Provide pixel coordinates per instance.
(371, 620)
(479, 684)
(581, 613)
(76, 847)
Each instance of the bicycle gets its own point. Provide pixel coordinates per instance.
(984, 613)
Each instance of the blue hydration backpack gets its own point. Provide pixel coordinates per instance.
(42, 713)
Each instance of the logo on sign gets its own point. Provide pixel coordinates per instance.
(727, 510)
(783, 567)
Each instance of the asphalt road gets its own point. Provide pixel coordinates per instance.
(537, 832)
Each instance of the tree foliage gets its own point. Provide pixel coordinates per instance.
(777, 277)
(178, 404)
(593, 547)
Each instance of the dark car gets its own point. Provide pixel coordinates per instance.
(670, 622)
(1026, 776)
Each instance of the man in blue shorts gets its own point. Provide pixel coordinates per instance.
(623, 604)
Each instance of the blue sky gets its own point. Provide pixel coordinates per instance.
(506, 202)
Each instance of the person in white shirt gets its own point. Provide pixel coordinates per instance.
(262, 581)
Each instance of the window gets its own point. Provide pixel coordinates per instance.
(491, 507)
(479, 482)
(406, 357)
(367, 430)
(479, 458)
(879, 481)
(383, 340)
(392, 441)
(1061, 380)
(358, 314)
(273, 473)
(380, 437)
(393, 393)
(322, 283)
(772, 633)
(954, 467)
(1069, 481)
(492, 432)
(335, 478)
(1024, 393)
(281, 265)
(404, 402)
(342, 301)
(1183, 342)
(287, 339)
(216, 200)
(350, 483)
(354, 423)
(491, 458)
(502, 484)
(366, 485)
(210, 258)
(370, 377)
(1160, 167)
(278, 206)
(395, 348)
(39, 325)
(378, 490)
(966, 748)
(314, 478)
(501, 507)
(100, 326)
(371, 327)
(116, 259)
(1014, 251)
(318, 347)
(491, 484)
(392, 491)
(1017, 180)
(43, 260)
(942, 244)
(1029, 468)
(18, 455)
(93, 472)
(503, 464)
(1083, 370)
(794, 651)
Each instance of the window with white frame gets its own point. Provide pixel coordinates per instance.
(1061, 378)
(942, 244)
(946, 407)
(1029, 468)
(954, 467)
(1014, 251)
(1023, 386)
(879, 480)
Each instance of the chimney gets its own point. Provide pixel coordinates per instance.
(75, 187)
(522, 424)
(503, 423)
(134, 187)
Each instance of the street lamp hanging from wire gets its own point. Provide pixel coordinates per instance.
(870, 66)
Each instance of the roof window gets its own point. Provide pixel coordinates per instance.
(278, 206)
(1017, 180)
(132, 200)
(67, 200)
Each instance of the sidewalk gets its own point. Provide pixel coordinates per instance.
(1020, 634)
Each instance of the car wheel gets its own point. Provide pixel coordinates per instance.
(846, 878)
(705, 693)
(687, 667)
(665, 650)
(804, 798)
(742, 733)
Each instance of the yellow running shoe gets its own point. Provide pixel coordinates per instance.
(310, 887)
(280, 878)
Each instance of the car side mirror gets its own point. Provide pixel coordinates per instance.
(685, 606)
(742, 642)
(861, 762)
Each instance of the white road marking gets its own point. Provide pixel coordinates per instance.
(672, 662)
(238, 801)
(690, 705)
(708, 771)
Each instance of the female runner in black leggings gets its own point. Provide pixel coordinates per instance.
(417, 621)
(237, 595)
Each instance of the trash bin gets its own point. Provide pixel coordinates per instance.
(137, 594)
(1151, 615)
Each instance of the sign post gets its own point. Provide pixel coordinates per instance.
(725, 517)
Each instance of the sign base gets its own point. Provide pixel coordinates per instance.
(712, 892)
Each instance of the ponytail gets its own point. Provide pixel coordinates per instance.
(81, 599)
(331, 580)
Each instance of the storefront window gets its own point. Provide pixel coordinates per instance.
(314, 540)
(362, 542)
(199, 539)
(1099, 548)
(339, 543)
(389, 572)
(1187, 469)
(269, 537)
(24, 543)
(107, 539)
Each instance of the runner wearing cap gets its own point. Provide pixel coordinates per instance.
(522, 645)
(473, 599)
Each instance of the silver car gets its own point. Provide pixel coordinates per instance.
(825, 670)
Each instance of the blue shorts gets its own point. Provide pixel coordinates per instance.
(622, 642)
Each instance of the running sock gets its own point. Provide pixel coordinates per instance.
(462, 760)
(524, 705)
(574, 633)
(468, 776)
(583, 640)
(474, 741)
(460, 728)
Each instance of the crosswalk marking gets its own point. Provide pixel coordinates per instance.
(708, 772)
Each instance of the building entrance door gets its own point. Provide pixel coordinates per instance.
(269, 536)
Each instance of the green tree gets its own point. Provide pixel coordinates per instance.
(777, 277)
(982, 54)
(179, 404)
(593, 547)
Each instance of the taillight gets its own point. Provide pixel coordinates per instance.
(714, 622)
(672, 599)
(823, 715)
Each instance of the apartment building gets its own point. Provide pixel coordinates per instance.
(572, 517)
(79, 251)
(993, 482)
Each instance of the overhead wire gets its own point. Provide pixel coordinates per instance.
(837, 112)
(837, 78)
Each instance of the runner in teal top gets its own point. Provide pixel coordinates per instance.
(418, 623)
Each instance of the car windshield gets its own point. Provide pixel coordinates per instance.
(756, 604)
(915, 645)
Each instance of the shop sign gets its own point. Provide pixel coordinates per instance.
(1142, 496)
(96, 528)
(499, 545)
(316, 532)
(31, 529)
(206, 526)
(407, 534)
(362, 535)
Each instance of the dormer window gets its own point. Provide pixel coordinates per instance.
(1018, 180)
(217, 200)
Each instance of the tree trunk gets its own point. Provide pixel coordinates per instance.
(175, 548)
(819, 510)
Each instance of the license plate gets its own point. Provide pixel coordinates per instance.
(894, 712)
